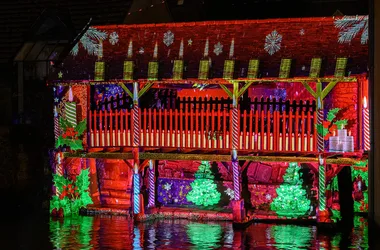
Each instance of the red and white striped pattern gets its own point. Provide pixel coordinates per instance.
(235, 128)
(56, 128)
(321, 142)
(236, 181)
(58, 167)
(136, 126)
(151, 199)
(367, 145)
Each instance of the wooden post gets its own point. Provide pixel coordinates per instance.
(238, 204)
(319, 95)
(235, 131)
(94, 186)
(135, 150)
(152, 186)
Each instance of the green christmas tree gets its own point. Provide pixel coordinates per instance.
(291, 200)
(203, 187)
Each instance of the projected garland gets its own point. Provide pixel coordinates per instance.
(203, 187)
(331, 124)
(359, 173)
(73, 194)
(291, 201)
(72, 135)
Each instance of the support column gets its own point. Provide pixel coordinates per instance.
(135, 150)
(374, 107)
(58, 167)
(238, 204)
(152, 186)
(94, 185)
(322, 213)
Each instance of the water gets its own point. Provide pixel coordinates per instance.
(120, 233)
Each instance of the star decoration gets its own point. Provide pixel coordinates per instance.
(56, 99)
(167, 186)
(189, 42)
(141, 51)
(302, 32)
(268, 197)
(60, 74)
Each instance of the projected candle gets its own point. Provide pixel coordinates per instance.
(56, 124)
(71, 109)
(366, 125)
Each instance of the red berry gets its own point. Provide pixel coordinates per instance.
(54, 212)
(60, 212)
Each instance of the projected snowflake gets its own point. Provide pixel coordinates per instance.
(273, 42)
(168, 38)
(218, 48)
(114, 38)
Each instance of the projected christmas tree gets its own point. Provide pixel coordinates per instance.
(291, 200)
(203, 187)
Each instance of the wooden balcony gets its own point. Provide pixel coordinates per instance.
(269, 131)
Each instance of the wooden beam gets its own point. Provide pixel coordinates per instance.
(208, 157)
(224, 87)
(126, 89)
(227, 167)
(328, 88)
(128, 164)
(308, 88)
(346, 161)
(143, 165)
(245, 165)
(99, 155)
(145, 88)
(244, 88)
(217, 81)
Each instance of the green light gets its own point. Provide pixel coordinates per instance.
(99, 71)
(292, 237)
(285, 68)
(229, 66)
(204, 190)
(340, 67)
(291, 201)
(74, 229)
(204, 236)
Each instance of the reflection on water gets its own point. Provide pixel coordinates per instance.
(121, 233)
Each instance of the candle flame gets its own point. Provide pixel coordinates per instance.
(349, 133)
(70, 95)
(365, 102)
